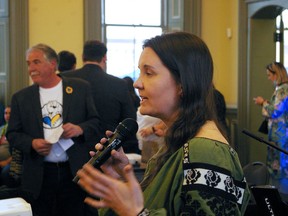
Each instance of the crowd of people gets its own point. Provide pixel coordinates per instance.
(190, 168)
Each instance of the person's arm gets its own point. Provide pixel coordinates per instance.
(71, 130)
(116, 186)
(280, 109)
(16, 136)
(270, 108)
(4, 163)
(259, 100)
(214, 183)
(147, 131)
(125, 198)
(160, 129)
(18, 130)
(116, 163)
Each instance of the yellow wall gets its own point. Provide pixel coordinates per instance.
(217, 17)
(58, 23)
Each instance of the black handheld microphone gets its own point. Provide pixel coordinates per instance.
(123, 131)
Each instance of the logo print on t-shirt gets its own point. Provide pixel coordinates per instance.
(52, 115)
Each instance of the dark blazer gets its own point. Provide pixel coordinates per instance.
(111, 96)
(26, 124)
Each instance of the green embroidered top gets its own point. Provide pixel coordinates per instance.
(204, 177)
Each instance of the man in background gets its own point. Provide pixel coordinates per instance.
(111, 96)
(54, 124)
(67, 61)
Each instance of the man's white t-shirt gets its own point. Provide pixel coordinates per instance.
(52, 118)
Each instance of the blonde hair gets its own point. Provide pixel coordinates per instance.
(280, 71)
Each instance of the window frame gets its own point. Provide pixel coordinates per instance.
(163, 26)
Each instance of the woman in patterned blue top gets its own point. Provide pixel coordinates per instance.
(276, 110)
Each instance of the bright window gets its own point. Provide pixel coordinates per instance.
(285, 37)
(127, 24)
(282, 20)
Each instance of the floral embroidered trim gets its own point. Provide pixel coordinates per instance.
(186, 153)
(206, 178)
(209, 178)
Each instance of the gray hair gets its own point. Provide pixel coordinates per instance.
(49, 53)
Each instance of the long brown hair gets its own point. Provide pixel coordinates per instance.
(189, 61)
